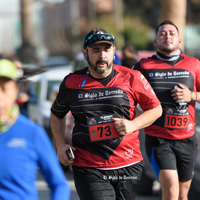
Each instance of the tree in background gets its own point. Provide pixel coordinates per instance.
(175, 11)
(26, 52)
(138, 33)
(69, 21)
(151, 12)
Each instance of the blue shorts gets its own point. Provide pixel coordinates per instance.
(177, 155)
(96, 184)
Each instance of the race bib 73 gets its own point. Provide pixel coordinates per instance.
(102, 128)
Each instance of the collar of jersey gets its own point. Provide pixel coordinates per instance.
(165, 57)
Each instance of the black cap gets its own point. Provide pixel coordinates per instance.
(97, 31)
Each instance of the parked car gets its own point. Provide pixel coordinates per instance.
(55, 61)
(79, 62)
(44, 84)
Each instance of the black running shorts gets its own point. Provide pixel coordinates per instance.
(177, 155)
(96, 184)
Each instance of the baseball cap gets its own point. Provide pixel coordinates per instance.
(8, 69)
(97, 36)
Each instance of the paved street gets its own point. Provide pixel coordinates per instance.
(44, 193)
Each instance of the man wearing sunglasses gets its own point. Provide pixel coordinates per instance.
(102, 99)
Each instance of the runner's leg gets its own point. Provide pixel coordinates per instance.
(169, 184)
(184, 189)
(186, 156)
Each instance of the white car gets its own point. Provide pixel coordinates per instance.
(44, 85)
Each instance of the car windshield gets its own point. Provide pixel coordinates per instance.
(56, 61)
(50, 88)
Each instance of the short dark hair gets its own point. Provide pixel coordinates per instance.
(166, 22)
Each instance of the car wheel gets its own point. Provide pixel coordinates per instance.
(146, 185)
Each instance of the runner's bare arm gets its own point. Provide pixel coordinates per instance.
(58, 130)
(125, 126)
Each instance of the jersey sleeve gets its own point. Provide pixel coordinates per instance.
(144, 94)
(50, 166)
(60, 106)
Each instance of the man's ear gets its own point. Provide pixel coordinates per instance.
(84, 54)
(155, 43)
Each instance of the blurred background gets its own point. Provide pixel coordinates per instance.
(46, 36)
(32, 30)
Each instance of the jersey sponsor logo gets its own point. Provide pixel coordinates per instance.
(106, 117)
(80, 96)
(160, 74)
(169, 74)
(107, 94)
(112, 92)
(92, 121)
(190, 127)
(150, 74)
(170, 111)
(90, 95)
(129, 152)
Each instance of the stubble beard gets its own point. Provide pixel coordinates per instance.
(168, 49)
(96, 69)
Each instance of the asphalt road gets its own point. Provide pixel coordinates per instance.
(44, 192)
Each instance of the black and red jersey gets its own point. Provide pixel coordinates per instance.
(177, 120)
(88, 99)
